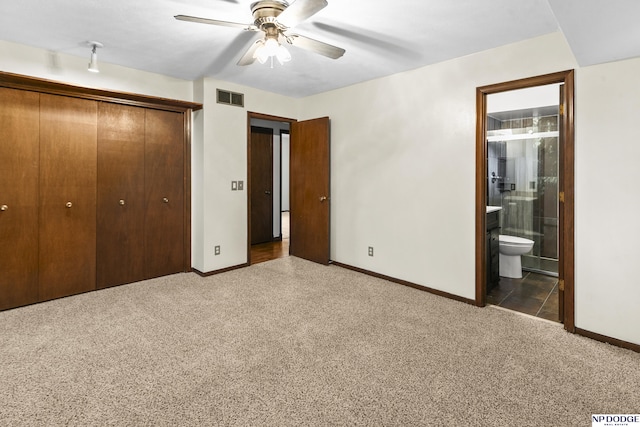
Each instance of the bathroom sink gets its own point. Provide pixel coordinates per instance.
(493, 208)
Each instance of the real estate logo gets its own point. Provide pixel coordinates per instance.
(615, 420)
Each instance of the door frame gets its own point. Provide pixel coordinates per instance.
(254, 115)
(565, 185)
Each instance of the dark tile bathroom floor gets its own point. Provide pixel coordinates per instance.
(534, 294)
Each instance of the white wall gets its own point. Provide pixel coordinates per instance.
(20, 59)
(403, 175)
(277, 185)
(521, 99)
(607, 228)
(224, 155)
(286, 152)
(403, 163)
(403, 169)
(219, 140)
(197, 185)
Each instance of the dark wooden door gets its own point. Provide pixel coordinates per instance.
(261, 185)
(19, 163)
(120, 208)
(164, 234)
(309, 190)
(67, 255)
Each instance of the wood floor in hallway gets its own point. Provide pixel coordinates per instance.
(268, 251)
(272, 250)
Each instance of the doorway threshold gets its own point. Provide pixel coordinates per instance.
(497, 307)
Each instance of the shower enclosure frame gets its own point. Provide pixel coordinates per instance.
(565, 187)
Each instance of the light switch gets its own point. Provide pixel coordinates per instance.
(240, 185)
(234, 185)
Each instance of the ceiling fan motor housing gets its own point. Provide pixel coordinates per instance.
(265, 12)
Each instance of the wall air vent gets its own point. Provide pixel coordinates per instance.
(230, 98)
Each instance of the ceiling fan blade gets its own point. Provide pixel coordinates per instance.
(214, 22)
(248, 58)
(300, 10)
(373, 40)
(229, 55)
(316, 46)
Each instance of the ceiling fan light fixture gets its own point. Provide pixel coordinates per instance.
(283, 54)
(269, 49)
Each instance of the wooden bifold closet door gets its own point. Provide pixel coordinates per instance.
(93, 189)
(68, 140)
(140, 194)
(164, 233)
(120, 215)
(19, 164)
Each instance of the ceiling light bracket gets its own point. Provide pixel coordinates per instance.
(94, 44)
(93, 63)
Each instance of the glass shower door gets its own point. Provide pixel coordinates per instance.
(523, 179)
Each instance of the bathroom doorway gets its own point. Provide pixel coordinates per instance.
(524, 178)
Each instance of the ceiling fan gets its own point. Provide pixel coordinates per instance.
(275, 18)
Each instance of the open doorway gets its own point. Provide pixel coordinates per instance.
(309, 195)
(522, 200)
(524, 196)
(269, 189)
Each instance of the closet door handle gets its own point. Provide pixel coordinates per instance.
(4, 208)
(268, 193)
(121, 202)
(68, 204)
(164, 199)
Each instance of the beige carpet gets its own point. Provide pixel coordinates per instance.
(289, 342)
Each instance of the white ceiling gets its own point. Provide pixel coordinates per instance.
(380, 37)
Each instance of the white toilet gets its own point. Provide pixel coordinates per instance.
(511, 249)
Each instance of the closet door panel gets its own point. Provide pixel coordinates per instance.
(120, 215)
(164, 187)
(19, 162)
(67, 255)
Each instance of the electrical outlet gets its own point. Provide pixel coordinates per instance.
(234, 185)
(370, 250)
(240, 185)
(216, 250)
